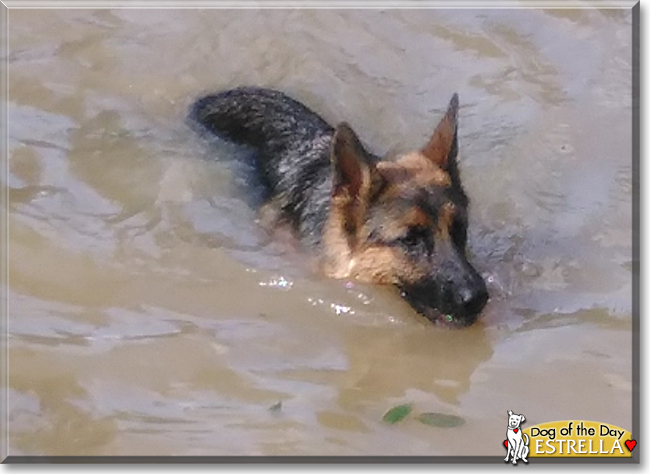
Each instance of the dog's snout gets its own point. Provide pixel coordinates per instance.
(455, 291)
(473, 299)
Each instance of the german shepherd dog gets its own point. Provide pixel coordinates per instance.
(401, 221)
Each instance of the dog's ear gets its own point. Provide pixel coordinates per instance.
(352, 169)
(443, 144)
(522, 419)
(509, 412)
(354, 179)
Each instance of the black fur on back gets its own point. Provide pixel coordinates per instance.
(292, 145)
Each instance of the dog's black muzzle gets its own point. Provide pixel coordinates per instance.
(454, 294)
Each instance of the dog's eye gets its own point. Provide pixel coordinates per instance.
(414, 237)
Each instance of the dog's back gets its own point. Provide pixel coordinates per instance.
(292, 145)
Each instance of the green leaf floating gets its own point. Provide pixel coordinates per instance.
(441, 420)
(397, 413)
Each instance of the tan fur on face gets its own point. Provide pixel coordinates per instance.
(383, 265)
(366, 262)
(445, 219)
(413, 169)
(349, 256)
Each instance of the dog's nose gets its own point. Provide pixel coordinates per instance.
(473, 299)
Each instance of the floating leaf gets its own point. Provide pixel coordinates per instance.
(441, 420)
(397, 413)
(276, 407)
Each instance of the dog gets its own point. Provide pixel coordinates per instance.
(400, 221)
(517, 447)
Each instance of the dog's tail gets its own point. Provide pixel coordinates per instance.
(527, 439)
(262, 118)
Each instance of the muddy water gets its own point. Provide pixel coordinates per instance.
(149, 313)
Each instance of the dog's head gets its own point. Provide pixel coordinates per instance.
(515, 420)
(404, 222)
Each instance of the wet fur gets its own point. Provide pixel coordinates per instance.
(400, 222)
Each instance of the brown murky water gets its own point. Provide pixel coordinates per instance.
(150, 314)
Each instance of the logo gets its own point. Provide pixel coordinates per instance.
(516, 442)
(569, 438)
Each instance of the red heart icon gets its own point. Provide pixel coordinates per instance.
(630, 443)
(515, 430)
(505, 443)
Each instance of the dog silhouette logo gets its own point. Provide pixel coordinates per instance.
(516, 441)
